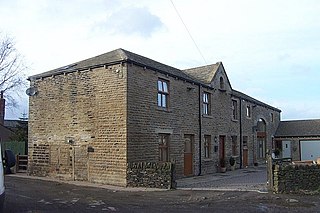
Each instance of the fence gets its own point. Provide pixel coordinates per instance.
(17, 147)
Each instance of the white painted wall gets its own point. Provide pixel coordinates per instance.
(286, 149)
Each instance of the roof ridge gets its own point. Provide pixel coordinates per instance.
(217, 63)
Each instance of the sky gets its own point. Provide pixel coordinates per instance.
(270, 49)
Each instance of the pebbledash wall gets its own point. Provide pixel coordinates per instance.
(93, 124)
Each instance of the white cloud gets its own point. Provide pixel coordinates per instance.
(131, 21)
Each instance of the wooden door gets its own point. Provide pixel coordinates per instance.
(188, 155)
(221, 147)
(245, 157)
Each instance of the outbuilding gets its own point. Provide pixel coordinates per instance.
(298, 139)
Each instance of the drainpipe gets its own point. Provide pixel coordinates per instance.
(2, 108)
(200, 129)
(241, 139)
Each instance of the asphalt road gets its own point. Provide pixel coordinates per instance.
(33, 195)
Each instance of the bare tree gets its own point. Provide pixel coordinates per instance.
(12, 68)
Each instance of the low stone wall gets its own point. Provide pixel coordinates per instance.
(296, 178)
(151, 175)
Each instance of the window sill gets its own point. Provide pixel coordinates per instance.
(207, 159)
(207, 116)
(234, 120)
(164, 109)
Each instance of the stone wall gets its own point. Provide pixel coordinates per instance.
(77, 126)
(296, 178)
(146, 120)
(151, 175)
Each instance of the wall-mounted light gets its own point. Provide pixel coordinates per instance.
(215, 139)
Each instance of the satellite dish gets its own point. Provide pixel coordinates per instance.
(31, 91)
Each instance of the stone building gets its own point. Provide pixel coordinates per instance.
(89, 119)
(298, 139)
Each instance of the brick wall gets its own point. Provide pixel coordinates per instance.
(76, 111)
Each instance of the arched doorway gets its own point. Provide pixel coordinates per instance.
(261, 139)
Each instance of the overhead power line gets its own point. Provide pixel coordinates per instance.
(194, 42)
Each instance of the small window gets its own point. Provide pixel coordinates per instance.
(272, 117)
(206, 103)
(163, 93)
(207, 145)
(164, 147)
(248, 111)
(234, 109)
(222, 83)
(245, 141)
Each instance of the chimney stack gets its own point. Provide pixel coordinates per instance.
(2, 108)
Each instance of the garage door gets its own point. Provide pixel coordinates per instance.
(310, 150)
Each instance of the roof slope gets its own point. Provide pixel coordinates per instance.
(253, 100)
(204, 74)
(298, 128)
(113, 57)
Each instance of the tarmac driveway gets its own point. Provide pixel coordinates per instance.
(248, 179)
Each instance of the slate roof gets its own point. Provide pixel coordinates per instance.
(299, 128)
(11, 124)
(253, 100)
(204, 73)
(114, 57)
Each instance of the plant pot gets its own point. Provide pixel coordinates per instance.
(223, 169)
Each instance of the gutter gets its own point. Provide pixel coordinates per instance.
(241, 139)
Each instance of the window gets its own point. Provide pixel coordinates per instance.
(234, 109)
(272, 117)
(163, 93)
(206, 103)
(245, 141)
(221, 83)
(164, 147)
(234, 145)
(248, 111)
(207, 144)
